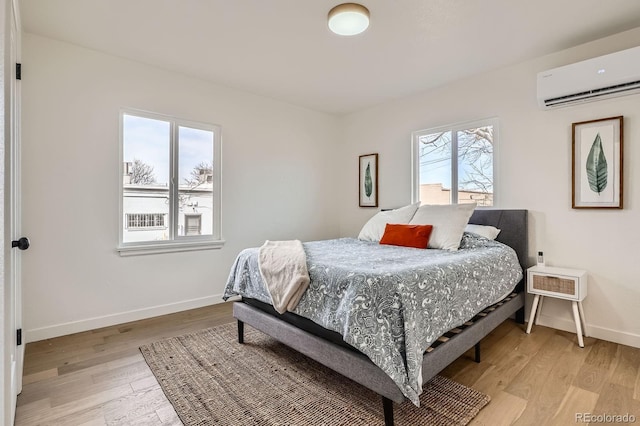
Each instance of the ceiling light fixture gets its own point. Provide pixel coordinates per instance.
(348, 19)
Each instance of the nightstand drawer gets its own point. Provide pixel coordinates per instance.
(564, 283)
(561, 285)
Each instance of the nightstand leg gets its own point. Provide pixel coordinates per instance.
(539, 309)
(583, 319)
(532, 315)
(576, 317)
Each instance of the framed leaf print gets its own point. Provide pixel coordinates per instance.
(368, 182)
(597, 164)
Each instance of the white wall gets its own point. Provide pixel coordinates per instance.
(278, 182)
(534, 173)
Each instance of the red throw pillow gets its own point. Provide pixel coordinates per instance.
(407, 235)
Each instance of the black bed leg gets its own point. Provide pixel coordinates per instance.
(387, 406)
(240, 332)
(520, 316)
(478, 352)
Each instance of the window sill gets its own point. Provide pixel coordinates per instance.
(169, 247)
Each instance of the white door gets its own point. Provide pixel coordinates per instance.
(12, 213)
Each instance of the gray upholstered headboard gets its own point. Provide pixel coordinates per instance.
(514, 230)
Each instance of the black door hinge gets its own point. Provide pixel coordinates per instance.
(18, 71)
(19, 337)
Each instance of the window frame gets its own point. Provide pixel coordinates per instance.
(455, 127)
(175, 243)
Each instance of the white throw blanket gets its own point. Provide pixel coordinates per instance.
(283, 266)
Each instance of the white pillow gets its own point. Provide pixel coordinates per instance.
(374, 228)
(448, 222)
(490, 232)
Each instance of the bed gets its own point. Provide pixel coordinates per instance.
(344, 353)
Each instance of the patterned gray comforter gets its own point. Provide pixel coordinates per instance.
(392, 302)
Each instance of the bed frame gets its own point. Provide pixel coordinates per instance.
(357, 366)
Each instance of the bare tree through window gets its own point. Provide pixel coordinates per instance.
(141, 173)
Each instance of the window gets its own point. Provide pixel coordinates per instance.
(170, 188)
(192, 224)
(145, 221)
(455, 164)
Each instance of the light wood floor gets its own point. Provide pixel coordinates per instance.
(99, 377)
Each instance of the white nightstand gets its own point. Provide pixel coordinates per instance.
(561, 283)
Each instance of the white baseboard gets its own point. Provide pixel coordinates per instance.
(602, 333)
(33, 335)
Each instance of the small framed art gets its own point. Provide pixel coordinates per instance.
(368, 181)
(597, 164)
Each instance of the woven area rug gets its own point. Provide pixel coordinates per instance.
(211, 379)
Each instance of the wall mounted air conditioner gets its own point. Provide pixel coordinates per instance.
(607, 76)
